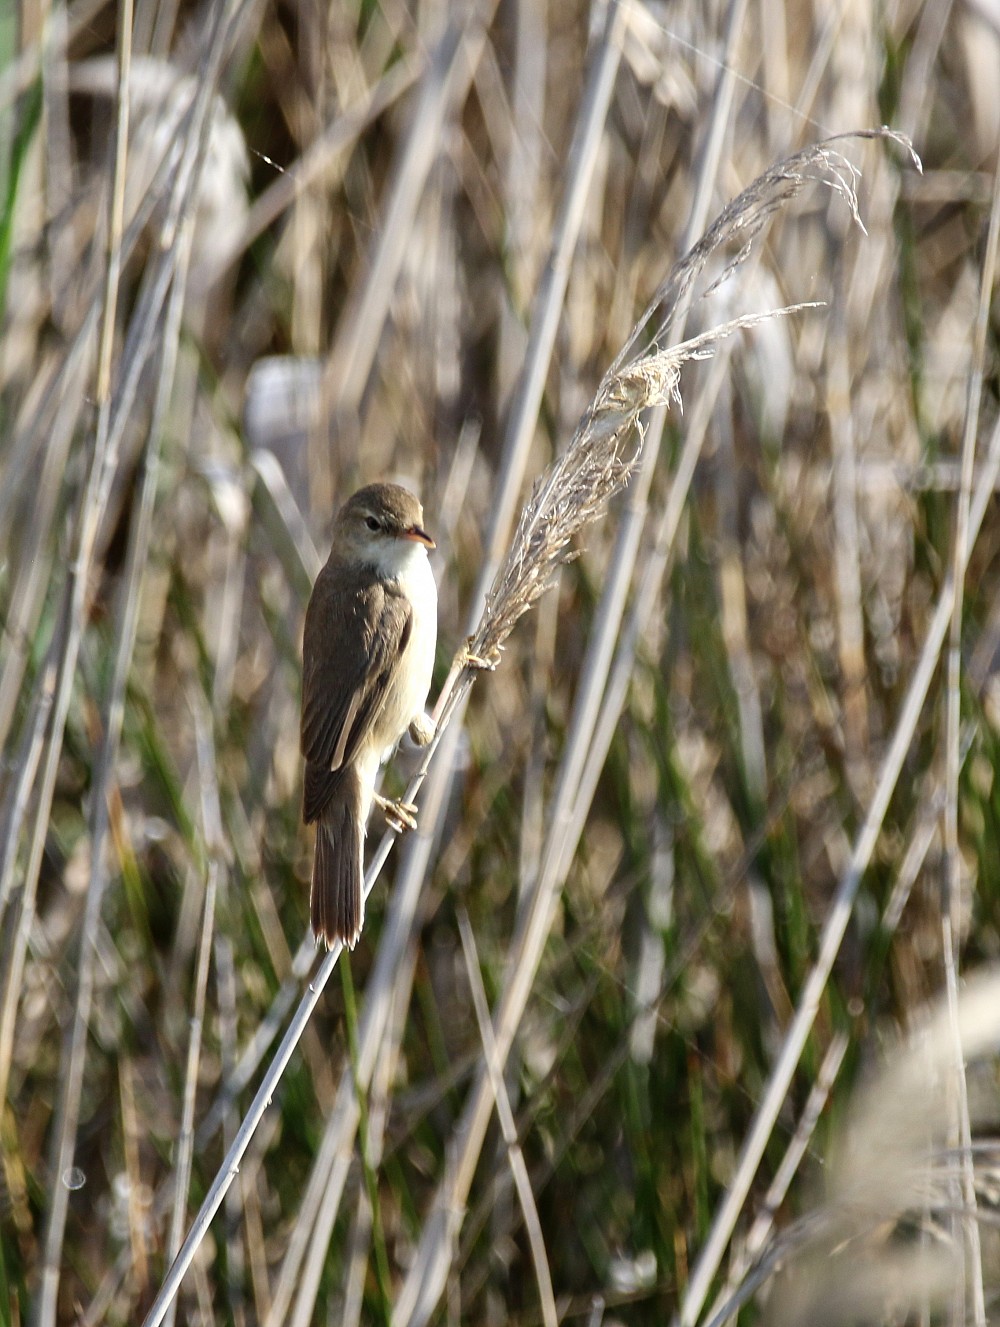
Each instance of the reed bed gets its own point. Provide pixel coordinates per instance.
(698, 385)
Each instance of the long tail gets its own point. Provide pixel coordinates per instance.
(337, 898)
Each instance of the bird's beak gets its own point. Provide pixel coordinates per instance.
(419, 536)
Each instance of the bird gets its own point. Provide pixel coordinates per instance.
(367, 655)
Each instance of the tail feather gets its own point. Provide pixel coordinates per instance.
(337, 898)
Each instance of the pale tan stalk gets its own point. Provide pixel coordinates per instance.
(214, 845)
(443, 89)
(388, 970)
(833, 931)
(71, 1079)
(952, 892)
(74, 603)
(515, 1157)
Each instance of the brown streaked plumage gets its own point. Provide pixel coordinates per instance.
(367, 654)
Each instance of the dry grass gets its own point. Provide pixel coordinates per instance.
(727, 808)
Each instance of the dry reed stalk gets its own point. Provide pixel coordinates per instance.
(891, 1168)
(443, 89)
(21, 72)
(548, 523)
(888, 1170)
(74, 607)
(515, 1157)
(522, 184)
(634, 520)
(952, 891)
(72, 1070)
(51, 704)
(444, 79)
(745, 1278)
(849, 602)
(835, 926)
(600, 650)
(577, 488)
(614, 698)
(543, 534)
(733, 598)
(524, 409)
(739, 1284)
(574, 493)
(74, 597)
(322, 159)
(214, 843)
(242, 1200)
(391, 973)
(380, 1097)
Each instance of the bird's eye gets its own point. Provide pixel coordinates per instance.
(372, 522)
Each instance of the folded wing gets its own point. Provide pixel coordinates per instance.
(355, 634)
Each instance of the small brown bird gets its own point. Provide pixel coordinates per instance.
(367, 655)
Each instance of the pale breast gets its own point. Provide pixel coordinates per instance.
(412, 679)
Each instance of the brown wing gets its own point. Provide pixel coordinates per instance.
(356, 629)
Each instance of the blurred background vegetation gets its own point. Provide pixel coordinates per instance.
(337, 247)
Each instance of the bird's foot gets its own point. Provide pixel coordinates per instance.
(470, 659)
(399, 815)
(422, 729)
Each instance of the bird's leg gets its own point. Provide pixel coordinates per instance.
(422, 729)
(467, 658)
(399, 815)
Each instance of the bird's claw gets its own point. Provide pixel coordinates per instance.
(485, 662)
(399, 815)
